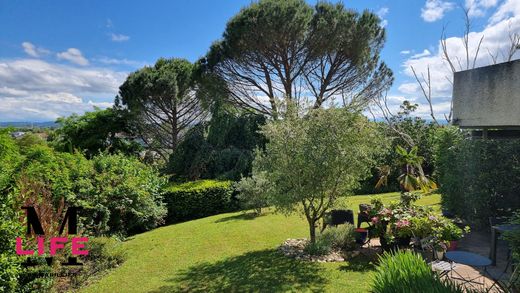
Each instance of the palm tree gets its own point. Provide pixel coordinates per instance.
(412, 177)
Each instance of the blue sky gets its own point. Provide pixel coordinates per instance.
(61, 57)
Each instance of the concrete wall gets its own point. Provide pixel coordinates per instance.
(487, 97)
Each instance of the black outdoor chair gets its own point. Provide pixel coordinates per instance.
(338, 217)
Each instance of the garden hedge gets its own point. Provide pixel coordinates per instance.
(478, 178)
(198, 199)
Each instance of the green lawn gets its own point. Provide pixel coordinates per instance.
(233, 253)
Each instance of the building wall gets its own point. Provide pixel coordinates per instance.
(487, 97)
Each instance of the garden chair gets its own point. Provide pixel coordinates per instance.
(363, 215)
(440, 267)
(338, 217)
(512, 284)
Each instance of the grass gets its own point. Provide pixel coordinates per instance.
(234, 252)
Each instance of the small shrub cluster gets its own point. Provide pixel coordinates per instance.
(341, 237)
(405, 271)
(478, 178)
(197, 199)
(253, 192)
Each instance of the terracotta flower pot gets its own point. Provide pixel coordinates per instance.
(453, 245)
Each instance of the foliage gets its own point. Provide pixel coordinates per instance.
(288, 50)
(253, 192)
(10, 227)
(478, 178)
(451, 232)
(119, 194)
(322, 246)
(513, 237)
(411, 131)
(94, 132)
(127, 196)
(221, 148)
(412, 176)
(311, 161)
(405, 219)
(198, 199)
(161, 103)
(405, 271)
(342, 237)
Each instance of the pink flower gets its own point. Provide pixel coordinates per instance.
(375, 220)
(432, 218)
(386, 211)
(402, 223)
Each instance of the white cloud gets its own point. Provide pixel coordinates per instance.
(496, 40)
(406, 52)
(33, 51)
(409, 88)
(424, 53)
(507, 10)
(119, 37)
(114, 61)
(73, 55)
(478, 8)
(42, 91)
(382, 12)
(434, 10)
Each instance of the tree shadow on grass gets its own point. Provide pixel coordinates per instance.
(241, 216)
(258, 271)
(361, 263)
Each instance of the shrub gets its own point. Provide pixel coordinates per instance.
(404, 272)
(253, 192)
(478, 178)
(198, 199)
(127, 196)
(321, 246)
(341, 237)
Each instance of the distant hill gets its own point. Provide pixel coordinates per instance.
(47, 124)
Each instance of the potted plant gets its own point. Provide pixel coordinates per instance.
(439, 249)
(451, 233)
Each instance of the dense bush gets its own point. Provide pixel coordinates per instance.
(198, 199)
(478, 178)
(10, 227)
(221, 148)
(406, 271)
(126, 196)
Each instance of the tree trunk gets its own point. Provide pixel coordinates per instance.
(312, 230)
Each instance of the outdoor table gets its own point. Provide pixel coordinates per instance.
(470, 259)
(495, 230)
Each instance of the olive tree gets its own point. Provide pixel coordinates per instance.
(313, 160)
